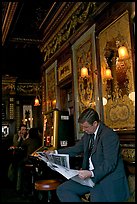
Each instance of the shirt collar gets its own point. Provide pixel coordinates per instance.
(95, 133)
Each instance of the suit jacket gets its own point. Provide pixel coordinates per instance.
(109, 173)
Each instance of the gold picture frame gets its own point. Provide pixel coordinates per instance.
(64, 70)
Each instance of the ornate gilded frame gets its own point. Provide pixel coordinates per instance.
(51, 86)
(84, 54)
(50, 128)
(119, 111)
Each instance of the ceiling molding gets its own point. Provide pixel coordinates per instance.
(9, 14)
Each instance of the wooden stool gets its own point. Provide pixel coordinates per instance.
(47, 185)
(30, 168)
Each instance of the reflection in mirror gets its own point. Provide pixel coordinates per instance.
(118, 96)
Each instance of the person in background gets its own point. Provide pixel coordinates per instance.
(16, 151)
(20, 136)
(32, 142)
(28, 145)
(102, 163)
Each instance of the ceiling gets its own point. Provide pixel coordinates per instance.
(23, 23)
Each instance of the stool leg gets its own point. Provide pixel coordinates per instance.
(49, 196)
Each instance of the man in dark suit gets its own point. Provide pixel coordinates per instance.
(102, 162)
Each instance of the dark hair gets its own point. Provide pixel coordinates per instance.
(33, 133)
(22, 125)
(88, 115)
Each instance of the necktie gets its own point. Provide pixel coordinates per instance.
(85, 164)
(91, 144)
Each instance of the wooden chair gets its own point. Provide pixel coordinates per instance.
(47, 185)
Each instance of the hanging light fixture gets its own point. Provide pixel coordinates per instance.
(36, 103)
(37, 98)
(123, 53)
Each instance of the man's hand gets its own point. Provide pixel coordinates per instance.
(49, 151)
(83, 174)
(20, 134)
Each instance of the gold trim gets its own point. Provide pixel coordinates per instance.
(55, 131)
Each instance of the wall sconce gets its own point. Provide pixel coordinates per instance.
(123, 53)
(54, 103)
(132, 97)
(86, 85)
(104, 101)
(84, 72)
(36, 103)
(108, 74)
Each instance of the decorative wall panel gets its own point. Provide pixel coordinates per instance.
(118, 92)
(85, 89)
(51, 86)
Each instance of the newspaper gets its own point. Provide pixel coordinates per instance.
(60, 163)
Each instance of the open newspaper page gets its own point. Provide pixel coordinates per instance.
(60, 163)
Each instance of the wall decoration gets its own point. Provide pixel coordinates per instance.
(119, 92)
(51, 86)
(27, 116)
(85, 88)
(64, 70)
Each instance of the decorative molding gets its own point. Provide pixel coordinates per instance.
(10, 86)
(68, 27)
(28, 88)
(12, 6)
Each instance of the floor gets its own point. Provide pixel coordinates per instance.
(7, 188)
(9, 194)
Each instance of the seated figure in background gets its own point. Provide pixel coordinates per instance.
(17, 151)
(20, 136)
(30, 144)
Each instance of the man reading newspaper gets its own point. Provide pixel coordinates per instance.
(102, 166)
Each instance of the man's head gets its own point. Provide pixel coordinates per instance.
(89, 120)
(23, 129)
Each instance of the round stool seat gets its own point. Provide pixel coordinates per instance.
(45, 185)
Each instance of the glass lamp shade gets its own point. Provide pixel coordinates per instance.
(132, 96)
(84, 72)
(108, 74)
(36, 102)
(123, 53)
(104, 101)
(54, 103)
